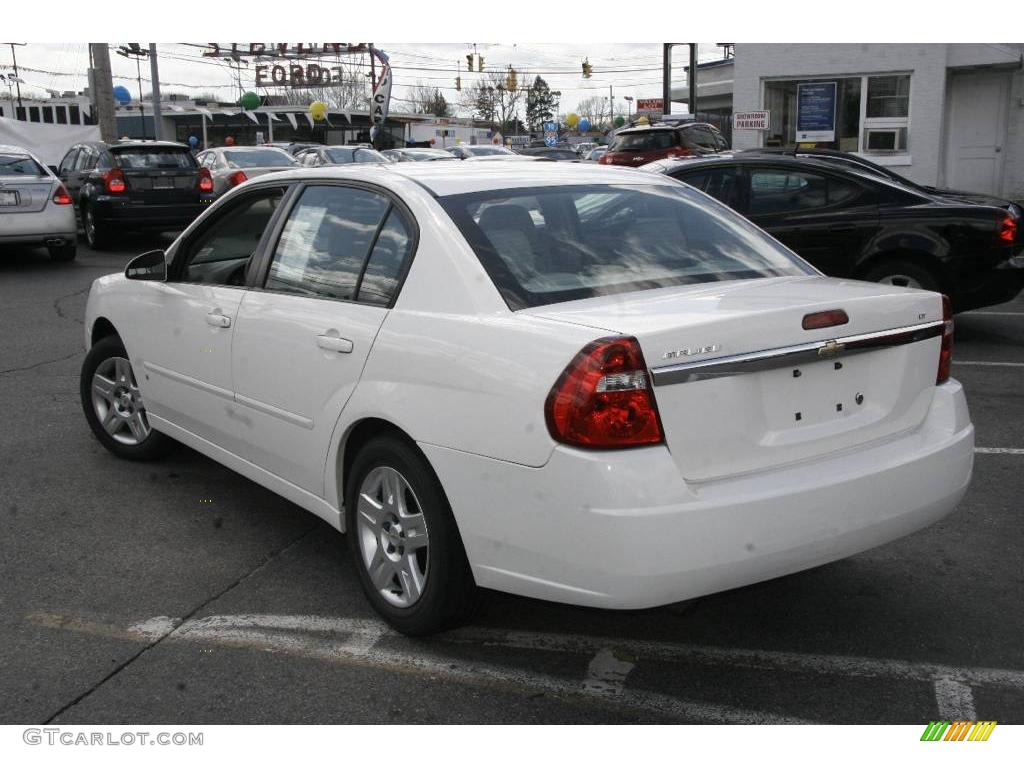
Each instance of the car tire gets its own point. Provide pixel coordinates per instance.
(903, 273)
(113, 406)
(96, 234)
(66, 252)
(393, 499)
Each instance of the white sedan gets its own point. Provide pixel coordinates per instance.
(575, 383)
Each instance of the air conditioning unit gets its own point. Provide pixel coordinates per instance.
(884, 140)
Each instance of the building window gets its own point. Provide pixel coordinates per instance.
(62, 115)
(47, 114)
(872, 113)
(888, 96)
(74, 115)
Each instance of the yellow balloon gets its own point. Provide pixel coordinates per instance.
(571, 119)
(643, 120)
(318, 110)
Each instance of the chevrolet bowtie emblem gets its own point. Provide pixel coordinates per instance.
(831, 349)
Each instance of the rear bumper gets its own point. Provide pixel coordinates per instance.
(623, 530)
(53, 222)
(121, 212)
(999, 285)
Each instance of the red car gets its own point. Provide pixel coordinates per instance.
(645, 144)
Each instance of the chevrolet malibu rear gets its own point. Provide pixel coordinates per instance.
(572, 383)
(35, 208)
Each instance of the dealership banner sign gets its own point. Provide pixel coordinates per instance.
(752, 121)
(816, 112)
(650, 107)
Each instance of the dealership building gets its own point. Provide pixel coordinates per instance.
(947, 115)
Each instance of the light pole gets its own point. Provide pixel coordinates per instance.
(629, 108)
(134, 51)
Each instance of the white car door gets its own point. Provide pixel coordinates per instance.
(186, 343)
(302, 338)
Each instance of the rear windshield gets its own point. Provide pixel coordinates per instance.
(259, 158)
(152, 157)
(426, 154)
(19, 166)
(480, 151)
(550, 244)
(647, 141)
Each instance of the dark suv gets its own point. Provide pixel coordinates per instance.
(645, 144)
(134, 185)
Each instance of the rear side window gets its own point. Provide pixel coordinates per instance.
(648, 141)
(782, 191)
(152, 158)
(327, 242)
(19, 166)
(560, 243)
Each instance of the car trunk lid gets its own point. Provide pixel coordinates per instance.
(28, 195)
(778, 394)
(158, 175)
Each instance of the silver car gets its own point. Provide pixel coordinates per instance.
(339, 154)
(35, 208)
(230, 166)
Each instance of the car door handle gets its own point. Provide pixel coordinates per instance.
(334, 343)
(218, 320)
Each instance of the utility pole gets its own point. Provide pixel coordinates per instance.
(611, 107)
(154, 75)
(666, 78)
(17, 79)
(692, 79)
(102, 93)
(133, 51)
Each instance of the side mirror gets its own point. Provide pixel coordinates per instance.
(53, 170)
(151, 265)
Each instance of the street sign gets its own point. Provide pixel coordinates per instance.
(752, 121)
(550, 134)
(816, 112)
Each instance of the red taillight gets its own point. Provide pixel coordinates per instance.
(681, 152)
(603, 398)
(237, 178)
(61, 196)
(825, 319)
(1008, 229)
(205, 180)
(604, 160)
(946, 351)
(113, 181)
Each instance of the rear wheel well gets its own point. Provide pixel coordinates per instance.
(101, 329)
(919, 259)
(359, 434)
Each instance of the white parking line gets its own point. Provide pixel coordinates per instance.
(996, 314)
(316, 637)
(986, 362)
(955, 700)
(1010, 451)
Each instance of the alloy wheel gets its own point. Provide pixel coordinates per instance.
(117, 402)
(393, 537)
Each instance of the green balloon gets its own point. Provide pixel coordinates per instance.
(619, 121)
(249, 100)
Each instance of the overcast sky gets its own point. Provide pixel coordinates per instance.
(630, 69)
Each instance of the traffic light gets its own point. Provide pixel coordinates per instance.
(479, 63)
(511, 81)
(458, 83)
(469, 61)
(587, 69)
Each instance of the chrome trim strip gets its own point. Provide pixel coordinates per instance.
(781, 357)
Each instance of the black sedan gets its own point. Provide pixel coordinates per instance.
(850, 223)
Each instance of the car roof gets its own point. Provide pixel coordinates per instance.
(144, 143)
(471, 178)
(11, 149)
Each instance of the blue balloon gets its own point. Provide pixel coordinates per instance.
(122, 94)
(193, 141)
(584, 125)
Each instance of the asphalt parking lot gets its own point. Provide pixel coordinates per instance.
(179, 592)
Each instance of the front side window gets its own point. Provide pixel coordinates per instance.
(597, 240)
(327, 241)
(781, 191)
(221, 252)
(720, 183)
(68, 163)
